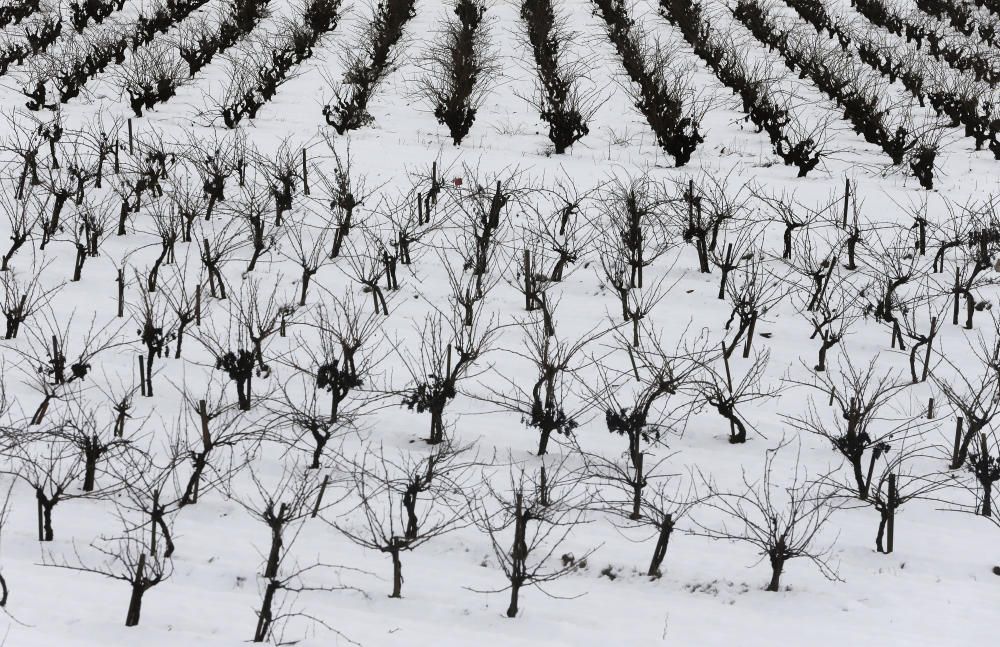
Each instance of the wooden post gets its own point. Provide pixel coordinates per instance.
(891, 503)
(19, 193)
(725, 271)
(729, 384)
(847, 198)
(749, 339)
(197, 305)
(130, 136)
(152, 522)
(527, 281)
(927, 354)
(826, 282)
(319, 497)
(729, 375)
(833, 394)
(41, 525)
(958, 294)
(637, 488)
(305, 174)
(930, 409)
(142, 378)
(121, 293)
(958, 440)
(635, 368)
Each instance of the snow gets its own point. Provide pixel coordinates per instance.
(935, 589)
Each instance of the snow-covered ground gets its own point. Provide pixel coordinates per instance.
(936, 587)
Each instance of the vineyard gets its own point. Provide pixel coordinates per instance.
(512, 322)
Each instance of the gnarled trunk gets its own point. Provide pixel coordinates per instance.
(397, 574)
(660, 550)
(777, 565)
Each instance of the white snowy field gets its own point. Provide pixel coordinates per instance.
(937, 586)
